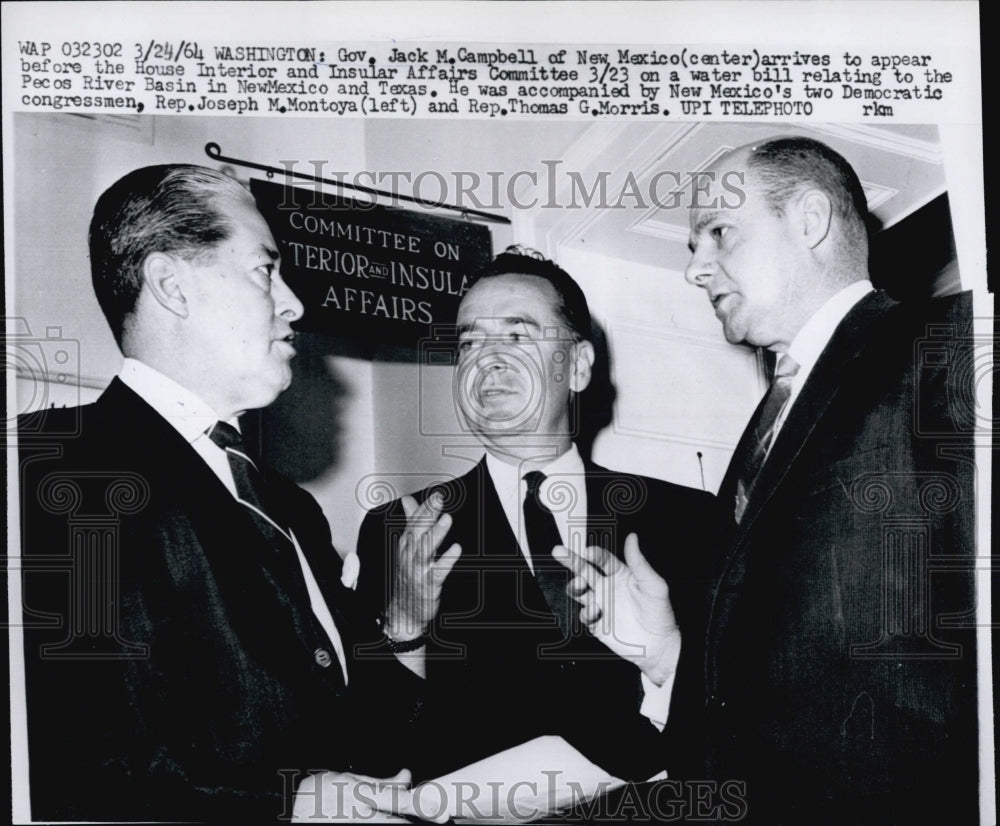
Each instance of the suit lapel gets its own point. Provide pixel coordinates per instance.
(498, 537)
(149, 441)
(848, 341)
(479, 522)
(509, 587)
(183, 476)
(611, 498)
(602, 515)
(201, 522)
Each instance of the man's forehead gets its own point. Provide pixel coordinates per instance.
(509, 300)
(511, 288)
(717, 194)
(737, 159)
(243, 215)
(734, 164)
(237, 207)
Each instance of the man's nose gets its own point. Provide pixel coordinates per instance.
(492, 358)
(286, 303)
(700, 269)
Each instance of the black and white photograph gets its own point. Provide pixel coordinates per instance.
(511, 413)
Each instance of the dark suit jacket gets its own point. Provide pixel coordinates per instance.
(171, 664)
(841, 659)
(496, 673)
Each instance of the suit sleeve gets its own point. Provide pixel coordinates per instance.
(930, 741)
(385, 696)
(699, 530)
(101, 737)
(375, 557)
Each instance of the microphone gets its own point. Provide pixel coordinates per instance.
(701, 466)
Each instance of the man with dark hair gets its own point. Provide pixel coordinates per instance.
(841, 674)
(507, 659)
(189, 645)
(572, 303)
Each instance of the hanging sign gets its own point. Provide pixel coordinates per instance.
(369, 271)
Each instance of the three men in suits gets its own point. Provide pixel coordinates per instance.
(189, 645)
(840, 649)
(507, 659)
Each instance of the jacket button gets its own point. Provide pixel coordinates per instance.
(323, 658)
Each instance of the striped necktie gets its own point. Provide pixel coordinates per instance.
(251, 487)
(252, 493)
(764, 431)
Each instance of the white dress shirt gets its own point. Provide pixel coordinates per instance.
(191, 417)
(811, 340)
(564, 492)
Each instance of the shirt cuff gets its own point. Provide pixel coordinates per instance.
(350, 571)
(656, 700)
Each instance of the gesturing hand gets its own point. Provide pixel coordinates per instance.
(416, 589)
(625, 605)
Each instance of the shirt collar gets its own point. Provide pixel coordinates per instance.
(184, 410)
(509, 477)
(811, 340)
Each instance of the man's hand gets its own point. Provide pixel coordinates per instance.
(416, 588)
(625, 605)
(350, 798)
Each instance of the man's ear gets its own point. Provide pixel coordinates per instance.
(161, 276)
(583, 361)
(816, 213)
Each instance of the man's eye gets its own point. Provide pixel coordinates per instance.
(719, 232)
(477, 342)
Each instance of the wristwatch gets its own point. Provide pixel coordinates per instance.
(398, 646)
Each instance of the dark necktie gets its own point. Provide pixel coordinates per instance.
(542, 534)
(251, 488)
(763, 434)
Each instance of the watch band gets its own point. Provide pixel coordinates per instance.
(399, 646)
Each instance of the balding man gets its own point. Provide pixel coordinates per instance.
(841, 674)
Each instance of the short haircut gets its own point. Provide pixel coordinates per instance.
(172, 208)
(783, 166)
(519, 260)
